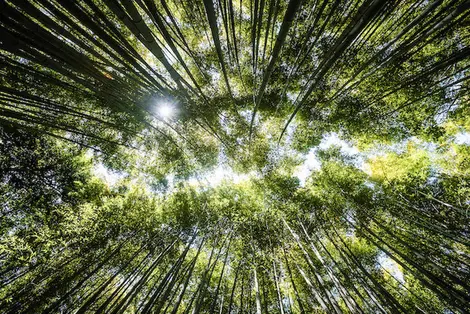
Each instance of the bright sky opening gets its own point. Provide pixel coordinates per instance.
(166, 110)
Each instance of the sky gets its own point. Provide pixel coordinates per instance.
(107, 175)
(312, 162)
(462, 138)
(391, 266)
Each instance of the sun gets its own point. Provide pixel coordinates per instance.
(165, 110)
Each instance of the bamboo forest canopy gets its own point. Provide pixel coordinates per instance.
(234, 156)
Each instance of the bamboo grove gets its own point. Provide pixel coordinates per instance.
(376, 221)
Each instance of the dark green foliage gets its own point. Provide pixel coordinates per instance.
(268, 156)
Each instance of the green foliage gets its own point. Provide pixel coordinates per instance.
(209, 212)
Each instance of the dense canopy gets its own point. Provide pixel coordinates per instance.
(234, 156)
